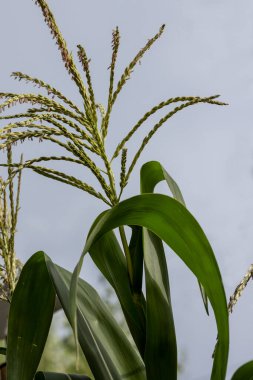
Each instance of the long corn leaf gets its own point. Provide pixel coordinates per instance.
(161, 345)
(30, 317)
(106, 347)
(151, 174)
(173, 223)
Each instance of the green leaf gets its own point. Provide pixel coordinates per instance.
(30, 317)
(136, 253)
(151, 174)
(108, 351)
(161, 345)
(161, 348)
(59, 376)
(174, 224)
(245, 372)
(105, 252)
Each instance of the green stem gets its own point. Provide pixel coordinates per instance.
(100, 143)
(111, 179)
(127, 253)
(114, 200)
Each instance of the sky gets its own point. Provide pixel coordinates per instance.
(207, 49)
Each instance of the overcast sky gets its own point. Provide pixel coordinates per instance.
(207, 49)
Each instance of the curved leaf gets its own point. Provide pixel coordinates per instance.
(174, 224)
(106, 348)
(151, 174)
(161, 347)
(245, 372)
(30, 316)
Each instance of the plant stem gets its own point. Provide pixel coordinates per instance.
(127, 253)
(114, 200)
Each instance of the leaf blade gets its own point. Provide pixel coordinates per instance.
(152, 173)
(30, 317)
(107, 350)
(161, 348)
(161, 345)
(245, 372)
(174, 224)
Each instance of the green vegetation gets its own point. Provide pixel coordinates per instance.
(150, 352)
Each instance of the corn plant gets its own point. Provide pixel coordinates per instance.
(153, 219)
(10, 266)
(9, 207)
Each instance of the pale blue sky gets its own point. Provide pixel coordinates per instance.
(207, 48)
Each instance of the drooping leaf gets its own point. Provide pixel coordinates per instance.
(152, 173)
(106, 347)
(245, 372)
(30, 317)
(174, 224)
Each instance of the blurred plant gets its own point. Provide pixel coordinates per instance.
(59, 352)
